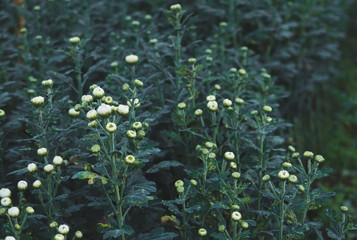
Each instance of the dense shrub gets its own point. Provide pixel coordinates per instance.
(149, 120)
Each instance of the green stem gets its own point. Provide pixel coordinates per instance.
(282, 212)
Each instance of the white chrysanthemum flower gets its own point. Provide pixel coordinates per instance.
(308, 154)
(38, 101)
(22, 185)
(48, 168)
(73, 113)
(74, 40)
(63, 229)
(198, 112)
(59, 236)
(131, 134)
(57, 160)
(239, 101)
(37, 184)
(13, 212)
(5, 202)
(229, 155)
(104, 110)
(227, 103)
(111, 127)
(267, 109)
(87, 98)
(92, 114)
(32, 167)
(212, 105)
(30, 210)
(210, 98)
(47, 83)
(131, 59)
(98, 92)
(293, 179)
(130, 159)
(202, 232)
(175, 7)
(123, 109)
(78, 234)
(10, 238)
(137, 125)
(283, 174)
(319, 158)
(236, 216)
(42, 152)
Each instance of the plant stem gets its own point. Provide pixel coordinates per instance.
(282, 212)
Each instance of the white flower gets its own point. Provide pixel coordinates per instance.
(92, 114)
(308, 154)
(137, 125)
(239, 101)
(104, 110)
(22, 185)
(131, 134)
(73, 113)
(175, 7)
(202, 232)
(98, 92)
(283, 174)
(198, 112)
(123, 109)
(48, 168)
(5, 192)
(74, 40)
(32, 167)
(267, 109)
(210, 98)
(38, 101)
(130, 159)
(293, 179)
(30, 210)
(59, 236)
(2, 113)
(10, 238)
(111, 127)
(13, 212)
(229, 155)
(47, 83)
(63, 229)
(87, 98)
(37, 184)
(57, 160)
(42, 151)
(131, 59)
(227, 103)
(287, 165)
(212, 105)
(236, 216)
(5, 202)
(319, 159)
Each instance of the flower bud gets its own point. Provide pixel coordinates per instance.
(295, 155)
(244, 224)
(47, 83)
(266, 178)
(98, 92)
(141, 133)
(175, 7)
(136, 103)
(283, 174)
(236, 216)
(239, 101)
(48, 168)
(221, 228)
(111, 127)
(114, 64)
(57, 160)
(78, 234)
(153, 41)
(344, 209)
(5, 202)
(236, 175)
(32, 167)
(138, 83)
(180, 189)
(131, 134)
(210, 98)
(2, 113)
(123, 109)
(73, 113)
(191, 60)
(229, 155)
(293, 179)
(210, 59)
(53, 224)
(22, 185)
(319, 158)
(5, 192)
(227, 103)
(212, 105)
(254, 112)
(104, 110)
(30, 210)
(193, 182)
(130, 159)
(10, 238)
(125, 87)
(287, 165)
(291, 148)
(108, 99)
(59, 236)
(267, 109)
(202, 232)
(13, 212)
(93, 86)
(235, 207)
(37, 184)
(301, 188)
(233, 70)
(131, 59)
(95, 148)
(198, 112)
(242, 72)
(38, 101)
(308, 154)
(93, 124)
(63, 229)
(92, 114)
(179, 183)
(74, 40)
(137, 125)
(181, 105)
(233, 165)
(87, 98)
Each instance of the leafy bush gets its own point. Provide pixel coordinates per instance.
(118, 124)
